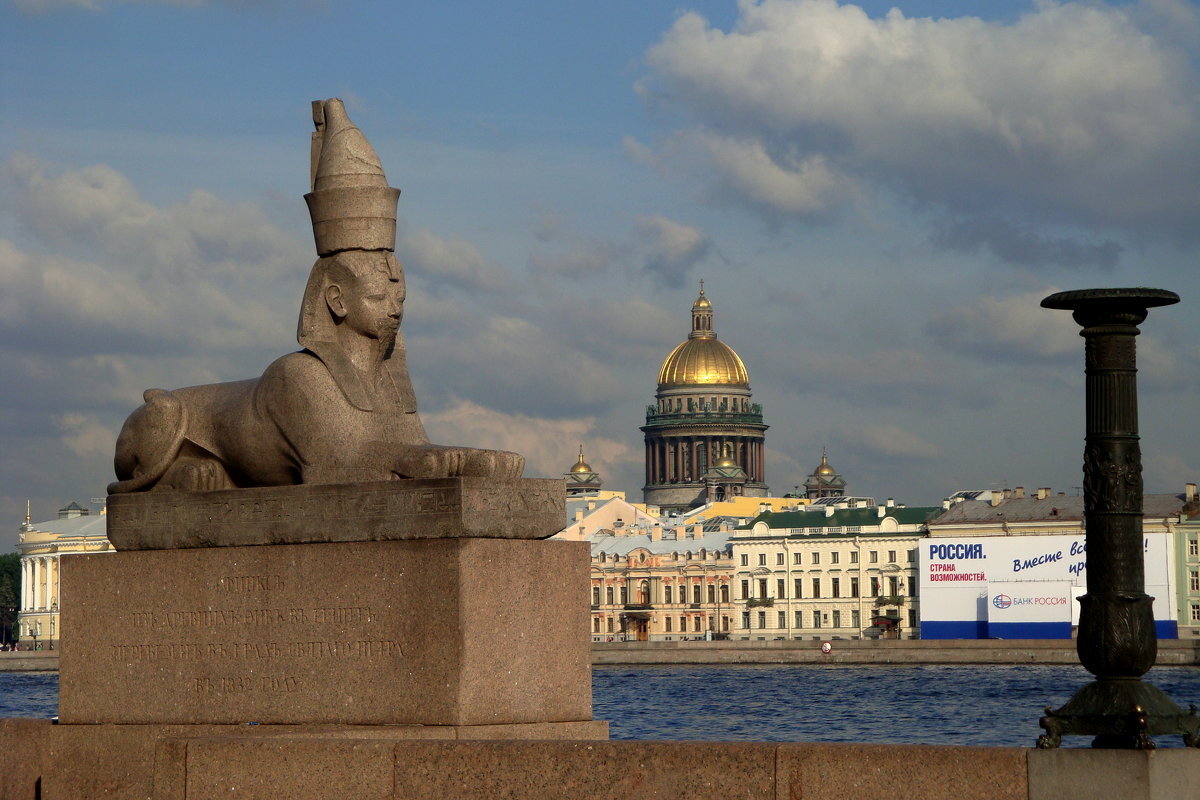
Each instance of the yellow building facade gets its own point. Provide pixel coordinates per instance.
(41, 545)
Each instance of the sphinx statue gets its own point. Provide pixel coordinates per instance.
(341, 410)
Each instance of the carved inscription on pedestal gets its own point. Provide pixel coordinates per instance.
(253, 643)
(254, 634)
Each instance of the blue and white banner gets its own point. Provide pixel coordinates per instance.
(1030, 609)
(1023, 587)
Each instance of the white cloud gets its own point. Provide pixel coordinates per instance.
(880, 371)
(1071, 114)
(97, 210)
(672, 248)
(86, 436)
(1012, 328)
(549, 445)
(449, 262)
(887, 440)
(582, 260)
(102, 270)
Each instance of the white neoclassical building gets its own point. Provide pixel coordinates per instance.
(839, 567)
(41, 544)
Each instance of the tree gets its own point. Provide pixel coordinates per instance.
(10, 593)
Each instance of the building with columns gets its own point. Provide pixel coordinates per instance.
(75, 530)
(1187, 563)
(704, 436)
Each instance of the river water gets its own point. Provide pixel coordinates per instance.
(964, 705)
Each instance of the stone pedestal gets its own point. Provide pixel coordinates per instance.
(446, 632)
(432, 508)
(1062, 774)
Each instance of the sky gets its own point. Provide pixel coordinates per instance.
(876, 196)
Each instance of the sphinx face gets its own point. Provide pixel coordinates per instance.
(374, 305)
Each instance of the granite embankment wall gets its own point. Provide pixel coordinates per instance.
(1171, 652)
(41, 761)
(888, 651)
(29, 661)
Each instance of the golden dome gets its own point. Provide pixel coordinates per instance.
(725, 460)
(581, 465)
(824, 468)
(703, 361)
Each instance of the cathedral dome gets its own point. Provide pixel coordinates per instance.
(702, 359)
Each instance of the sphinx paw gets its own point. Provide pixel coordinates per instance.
(196, 474)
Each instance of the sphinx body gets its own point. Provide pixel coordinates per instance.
(293, 425)
(341, 410)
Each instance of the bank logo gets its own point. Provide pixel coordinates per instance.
(1002, 601)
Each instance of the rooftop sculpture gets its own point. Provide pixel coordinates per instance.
(341, 410)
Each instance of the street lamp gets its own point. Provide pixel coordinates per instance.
(1117, 642)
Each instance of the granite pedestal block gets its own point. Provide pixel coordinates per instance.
(426, 632)
(433, 508)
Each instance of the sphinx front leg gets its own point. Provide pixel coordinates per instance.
(436, 461)
(492, 463)
(427, 461)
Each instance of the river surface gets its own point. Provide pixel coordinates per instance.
(964, 705)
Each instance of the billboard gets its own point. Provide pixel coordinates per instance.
(1023, 587)
(1030, 609)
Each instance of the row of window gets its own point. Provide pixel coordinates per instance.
(835, 557)
(817, 619)
(710, 592)
(894, 584)
(698, 594)
(814, 619)
(687, 556)
(698, 624)
(834, 529)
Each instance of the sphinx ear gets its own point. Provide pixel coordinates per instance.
(333, 299)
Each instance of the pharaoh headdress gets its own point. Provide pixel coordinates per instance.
(352, 208)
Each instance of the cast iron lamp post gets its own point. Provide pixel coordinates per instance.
(1117, 642)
